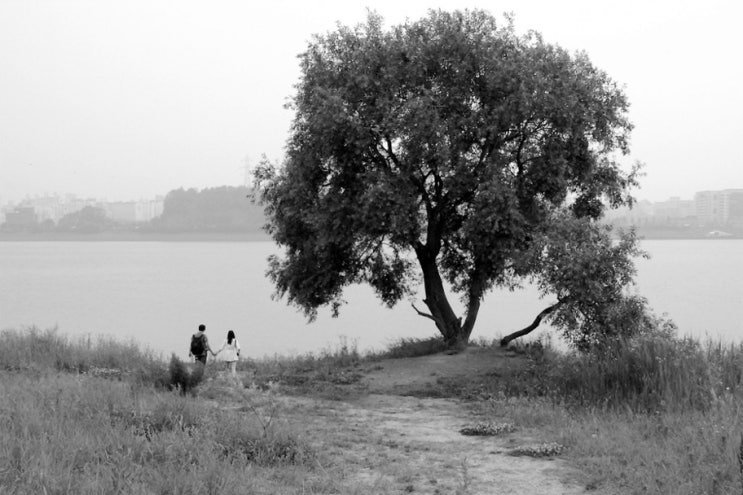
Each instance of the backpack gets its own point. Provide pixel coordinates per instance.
(197, 345)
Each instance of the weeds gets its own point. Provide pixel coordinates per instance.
(549, 449)
(488, 429)
(663, 408)
(32, 348)
(463, 487)
(91, 435)
(410, 347)
(647, 374)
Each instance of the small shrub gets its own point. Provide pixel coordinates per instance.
(488, 429)
(181, 377)
(414, 347)
(269, 450)
(539, 450)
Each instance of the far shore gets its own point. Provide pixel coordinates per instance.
(138, 237)
(646, 234)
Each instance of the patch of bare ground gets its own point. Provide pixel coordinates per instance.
(395, 434)
(424, 375)
(399, 444)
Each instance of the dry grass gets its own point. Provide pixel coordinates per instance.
(79, 434)
(657, 415)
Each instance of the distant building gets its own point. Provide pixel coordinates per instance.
(719, 207)
(641, 213)
(122, 211)
(148, 210)
(134, 211)
(20, 218)
(674, 211)
(54, 207)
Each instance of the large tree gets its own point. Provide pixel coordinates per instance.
(446, 147)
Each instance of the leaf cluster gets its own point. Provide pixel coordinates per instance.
(591, 271)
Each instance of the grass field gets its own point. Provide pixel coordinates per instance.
(659, 415)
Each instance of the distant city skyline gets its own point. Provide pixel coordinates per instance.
(63, 194)
(720, 209)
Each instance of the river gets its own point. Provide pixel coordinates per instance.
(157, 293)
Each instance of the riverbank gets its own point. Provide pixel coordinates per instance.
(646, 234)
(657, 233)
(137, 237)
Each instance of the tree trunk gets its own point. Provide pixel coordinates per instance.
(442, 313)
(524, 331)
(473, 308)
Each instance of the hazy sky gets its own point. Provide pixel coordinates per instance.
(132, 98)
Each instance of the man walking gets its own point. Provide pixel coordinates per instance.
(200, 345)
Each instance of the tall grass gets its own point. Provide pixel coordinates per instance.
(653, 414)
(412, 347)
(649, 373)
(32, 349)
(76, 434)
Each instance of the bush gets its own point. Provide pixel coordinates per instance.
(651, 372)
(181, 377)
(412, 347)
(646, 373)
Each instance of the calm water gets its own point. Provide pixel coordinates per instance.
(157, 293)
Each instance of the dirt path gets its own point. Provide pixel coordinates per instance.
(406, 375)
(428, 454)
(390, 442)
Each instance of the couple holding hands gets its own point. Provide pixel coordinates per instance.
(200, 348)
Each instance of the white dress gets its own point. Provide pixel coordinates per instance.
(229, 352)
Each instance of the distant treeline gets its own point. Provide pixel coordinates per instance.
(224, 209)
(218, 209)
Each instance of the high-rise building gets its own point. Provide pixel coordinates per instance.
(674, 211)
(719, 207)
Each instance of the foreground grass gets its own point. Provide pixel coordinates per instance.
(623, 452)
(81, 416)
(73, 434)
(656, 415)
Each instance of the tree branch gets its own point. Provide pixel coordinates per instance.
(426, 315)
(390, 152)
(508, 338)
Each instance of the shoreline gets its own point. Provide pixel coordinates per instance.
(685, 236)
(650, 234)
(261, 237)
(138, 237)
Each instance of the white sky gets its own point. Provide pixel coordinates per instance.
(129, 99)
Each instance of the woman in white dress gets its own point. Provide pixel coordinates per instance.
(231, 348)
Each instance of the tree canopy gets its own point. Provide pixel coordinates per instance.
(445, 149)
(88, 220)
